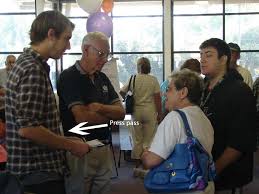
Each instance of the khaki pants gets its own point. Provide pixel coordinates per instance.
(98, 170)
(74, 184)
(143, 134)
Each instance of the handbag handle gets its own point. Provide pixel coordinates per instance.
(134, 76)
(185, 122)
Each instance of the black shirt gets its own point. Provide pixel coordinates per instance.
(231, 109)
(74, 88)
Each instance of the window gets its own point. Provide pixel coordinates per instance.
(18, 6)
(190, 31)
(16, 32)
(138, 32)
(16, 17)
(242, 27)
(127, 65)
(244, 30)
(180, 58)
(69, 60)
(195, 21)
(241, 6)
(190, 7)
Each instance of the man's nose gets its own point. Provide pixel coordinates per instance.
(68, 46)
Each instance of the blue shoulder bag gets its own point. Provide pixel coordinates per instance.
(188, 168)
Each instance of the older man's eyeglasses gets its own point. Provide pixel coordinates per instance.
(101, 54)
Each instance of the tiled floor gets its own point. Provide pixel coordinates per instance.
(125, 183)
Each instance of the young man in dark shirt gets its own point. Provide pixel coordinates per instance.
(229, 104)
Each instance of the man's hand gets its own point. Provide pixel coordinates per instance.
(79, 148)
(2, 91)
(94, 107)
(74, 138)
(229, 156)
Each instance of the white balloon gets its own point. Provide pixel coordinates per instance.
(90, 6)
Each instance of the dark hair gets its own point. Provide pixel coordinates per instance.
(144, 65)
(48, 20)
(192, 64)
(234, 47)
(221, 46)
(192, 81)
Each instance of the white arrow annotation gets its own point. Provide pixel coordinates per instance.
(78, 129)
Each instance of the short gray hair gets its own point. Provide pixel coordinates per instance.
(92, 36)
(192, 81)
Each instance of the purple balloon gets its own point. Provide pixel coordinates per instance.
(100, 22)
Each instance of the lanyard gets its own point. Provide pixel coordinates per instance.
(205, 99)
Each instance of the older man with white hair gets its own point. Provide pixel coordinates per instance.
(87, 95)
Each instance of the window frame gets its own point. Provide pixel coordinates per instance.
(223, 14)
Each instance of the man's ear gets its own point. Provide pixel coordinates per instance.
(85, 49)
(51, 33)
(238, 56)
(184, 92)
(224, 59)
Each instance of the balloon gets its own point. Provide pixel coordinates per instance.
(100, 22)
(107, 6)
(90, 6)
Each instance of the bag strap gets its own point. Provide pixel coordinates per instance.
(211, 166)
(185, 122)
(134, 76)
(129, 83)
(133, 83)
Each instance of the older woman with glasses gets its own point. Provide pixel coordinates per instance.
(184, 92)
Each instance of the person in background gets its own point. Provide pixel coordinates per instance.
(230, 106)
(147, 108)
(9, 63)
(256, 94)
(35, 146)
(235, 56)
(192, 64)
(163, 90)
(87, 95)
(3, 153)
(184, 92)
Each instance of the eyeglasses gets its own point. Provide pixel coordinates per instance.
(101, 54)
